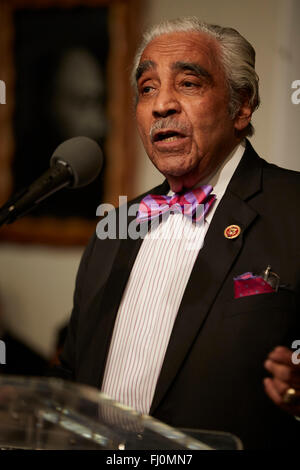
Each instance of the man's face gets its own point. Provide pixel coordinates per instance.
(182, 110)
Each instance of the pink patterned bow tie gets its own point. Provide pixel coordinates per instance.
(194, 204)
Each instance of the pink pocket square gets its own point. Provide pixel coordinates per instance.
(250, 284)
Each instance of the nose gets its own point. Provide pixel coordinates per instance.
(166, 103)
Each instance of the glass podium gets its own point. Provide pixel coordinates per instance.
(53, 414)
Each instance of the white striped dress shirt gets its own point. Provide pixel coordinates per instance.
(152, 297)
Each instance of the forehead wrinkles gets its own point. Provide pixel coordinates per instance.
(193, 47)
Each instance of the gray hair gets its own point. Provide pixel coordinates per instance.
(237, 56)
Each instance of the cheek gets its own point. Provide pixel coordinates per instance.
(142, 125)
(209, 118)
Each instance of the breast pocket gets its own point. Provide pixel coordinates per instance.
(283, 299)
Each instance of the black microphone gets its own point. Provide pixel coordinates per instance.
(74, 164)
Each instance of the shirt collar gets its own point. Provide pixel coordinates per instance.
(219, 180)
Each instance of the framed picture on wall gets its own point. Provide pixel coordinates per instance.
(66, 67)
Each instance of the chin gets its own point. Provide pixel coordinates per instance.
(175, 169)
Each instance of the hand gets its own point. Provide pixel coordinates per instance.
(286, 375)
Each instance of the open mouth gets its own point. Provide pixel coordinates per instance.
(167, 136)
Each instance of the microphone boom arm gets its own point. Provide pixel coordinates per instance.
(55, 178)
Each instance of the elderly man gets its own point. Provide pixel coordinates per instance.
(198, 335)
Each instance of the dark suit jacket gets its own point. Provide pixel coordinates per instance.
(212, 376)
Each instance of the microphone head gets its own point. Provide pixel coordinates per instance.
(84, 158)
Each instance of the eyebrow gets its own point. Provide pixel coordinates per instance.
(144, 67)
(191, 66)
(177, 66)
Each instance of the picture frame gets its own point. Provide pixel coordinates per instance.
(21, 126)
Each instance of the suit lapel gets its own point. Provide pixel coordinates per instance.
(209, 273)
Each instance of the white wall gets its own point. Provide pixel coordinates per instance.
(36, 284)
(36, 290)
(285, 116)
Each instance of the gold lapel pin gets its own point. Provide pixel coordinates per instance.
(232, 231)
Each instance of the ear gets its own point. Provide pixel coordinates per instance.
(243, 117)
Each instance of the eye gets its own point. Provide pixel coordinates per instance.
(189, 84)
(146, 89)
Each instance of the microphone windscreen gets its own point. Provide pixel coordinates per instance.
(84, 157)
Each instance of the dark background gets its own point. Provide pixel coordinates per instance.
(42, 37)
